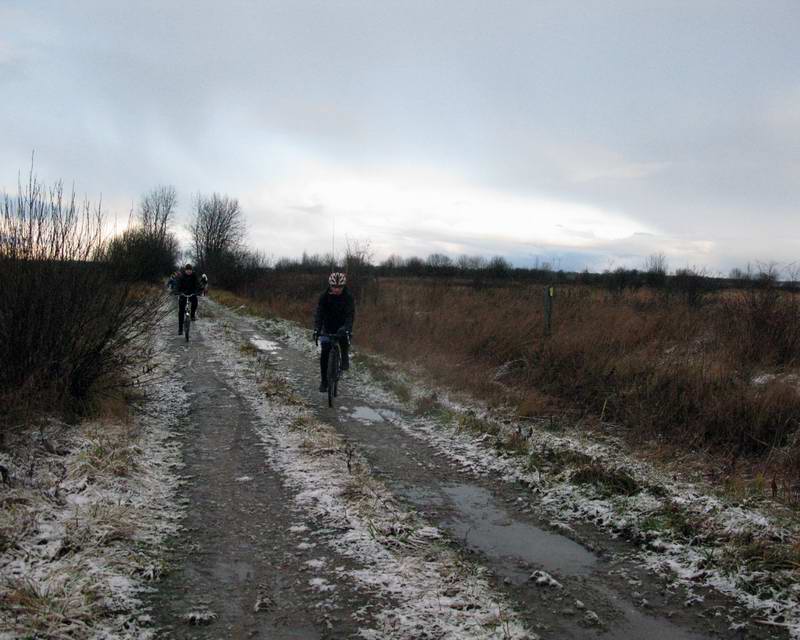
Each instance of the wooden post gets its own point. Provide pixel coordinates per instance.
(549, 294)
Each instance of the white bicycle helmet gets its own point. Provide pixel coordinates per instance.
(337, 279)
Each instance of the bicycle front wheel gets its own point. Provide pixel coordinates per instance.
(187, 323)
(333, 373)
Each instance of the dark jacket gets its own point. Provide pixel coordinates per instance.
(188, 284)
(334, 312)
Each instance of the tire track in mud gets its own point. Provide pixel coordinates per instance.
(577, 591)
(248, 564)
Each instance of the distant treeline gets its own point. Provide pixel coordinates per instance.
(690, 282)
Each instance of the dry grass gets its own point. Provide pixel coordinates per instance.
(17, 521)
(98, 525)
(247, 348)
(607, 482)
(275, 386)
(667, 370)
(62, 596)
(56, 609)
(109, 450)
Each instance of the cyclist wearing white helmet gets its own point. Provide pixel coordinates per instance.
(334, 315)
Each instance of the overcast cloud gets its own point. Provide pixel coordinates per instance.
(588, 133)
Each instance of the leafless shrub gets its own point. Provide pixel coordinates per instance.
(66, 317)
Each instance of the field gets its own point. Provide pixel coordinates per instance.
(716, 375)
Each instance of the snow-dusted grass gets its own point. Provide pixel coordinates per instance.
(680, 529)
(83, 522)
(427, 588)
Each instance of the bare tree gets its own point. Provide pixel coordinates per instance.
(655, 268)
(471, 263)
(393, 263)
(358, 255)
(217, 229)
(157, 209)
(439, 261)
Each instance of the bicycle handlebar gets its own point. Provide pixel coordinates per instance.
(347, 335)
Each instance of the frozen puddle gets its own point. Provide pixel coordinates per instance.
(262, 344)
(365, 415)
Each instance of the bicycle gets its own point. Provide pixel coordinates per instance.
(334, 370)
(187, 314)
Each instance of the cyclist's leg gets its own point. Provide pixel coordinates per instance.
(194, 307)
(181, 311)
(323, 362)
(343, 343)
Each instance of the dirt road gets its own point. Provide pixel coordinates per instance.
(367, 521)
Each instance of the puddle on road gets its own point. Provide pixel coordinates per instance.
(365, 415)
(515, 548)
(486, 527)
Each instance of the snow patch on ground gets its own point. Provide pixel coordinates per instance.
(771, 594)
(83, 525)
(428, 590)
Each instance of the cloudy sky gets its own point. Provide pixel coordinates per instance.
(586, 133)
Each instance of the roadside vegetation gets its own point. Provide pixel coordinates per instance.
(74, 311)
(681, 362)
(81, 470)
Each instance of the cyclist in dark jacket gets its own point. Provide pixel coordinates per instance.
(173, 281)
(334, 315)
(189, 284)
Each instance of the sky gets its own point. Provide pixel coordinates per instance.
(587, 134)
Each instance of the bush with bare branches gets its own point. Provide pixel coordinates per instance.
(66, 318)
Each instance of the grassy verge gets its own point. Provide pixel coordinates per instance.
(713, 541)
(72, 543)
(718, 379)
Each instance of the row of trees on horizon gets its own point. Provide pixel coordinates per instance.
(149, 250)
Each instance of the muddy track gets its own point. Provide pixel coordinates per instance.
(241, 565)
(588, 585)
